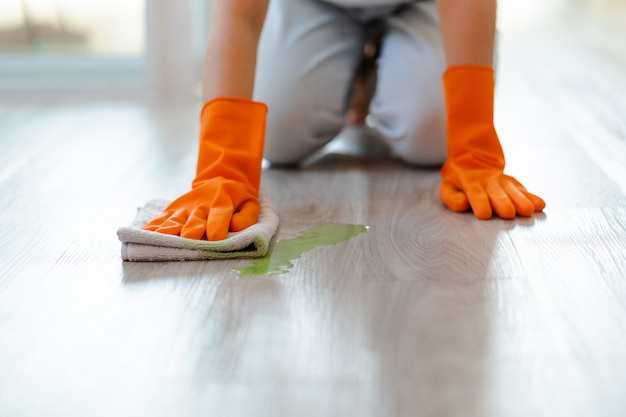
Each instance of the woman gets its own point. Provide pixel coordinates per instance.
(303, 71)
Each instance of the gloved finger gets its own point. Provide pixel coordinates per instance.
(173, 225)
(453, 198)
(155, 223)
(247, 215)
(500, 200)
(218, 222)
(523, 205)
(195, 227)
(479, 201)
(536, 200)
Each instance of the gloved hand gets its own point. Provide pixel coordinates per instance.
(473, 175)
(224, 194)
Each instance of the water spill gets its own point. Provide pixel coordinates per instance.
(278, 260)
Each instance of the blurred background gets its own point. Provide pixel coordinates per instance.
(136, 48)
(146, 48)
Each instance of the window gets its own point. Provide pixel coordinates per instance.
(95, 27)
(79, 45)
(48, 44)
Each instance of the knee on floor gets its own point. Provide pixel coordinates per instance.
(293, 134)
(417, 140)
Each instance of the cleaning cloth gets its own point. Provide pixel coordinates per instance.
(143, 245)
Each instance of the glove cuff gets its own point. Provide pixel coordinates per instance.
(232, 136)
(234, 107)
(469, 94)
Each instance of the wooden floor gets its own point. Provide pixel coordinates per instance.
(430, 313)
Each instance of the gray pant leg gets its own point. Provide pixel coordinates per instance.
(307, 54)
(408, 108)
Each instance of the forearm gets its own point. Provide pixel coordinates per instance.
(468, 28)
(230, 58)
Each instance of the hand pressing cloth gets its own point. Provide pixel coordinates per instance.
(144, 245)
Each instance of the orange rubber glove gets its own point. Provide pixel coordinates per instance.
(473, 175)
(224, 194)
